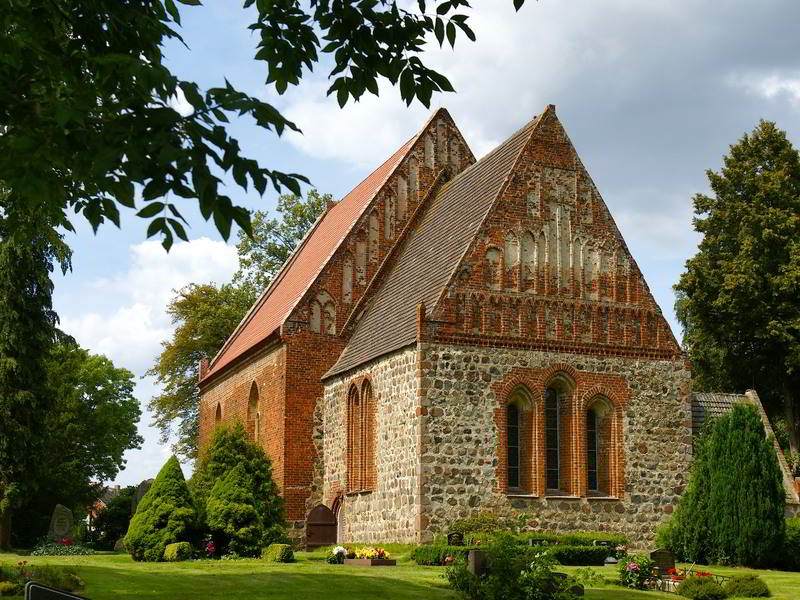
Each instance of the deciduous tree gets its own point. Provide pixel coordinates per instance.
(738, 298)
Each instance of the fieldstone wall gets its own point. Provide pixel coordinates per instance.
(388, 512)
(459, 441)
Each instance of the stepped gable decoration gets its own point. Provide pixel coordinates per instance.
(520, 247)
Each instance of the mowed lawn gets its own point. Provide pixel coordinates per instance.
(117, 577)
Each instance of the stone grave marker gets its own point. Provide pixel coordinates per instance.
(60, 523)
(477, 562)
(456, 538)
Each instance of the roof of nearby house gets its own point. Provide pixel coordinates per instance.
(305, 264)
(430, 254)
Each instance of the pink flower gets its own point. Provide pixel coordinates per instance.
(632, 566)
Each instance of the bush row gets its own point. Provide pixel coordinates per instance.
(547, 538)
(740, 586)
(435, 554)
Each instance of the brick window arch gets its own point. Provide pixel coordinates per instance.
(218, 414)
(361, 472)
(518, 441)
(253, 413)
(353, 439)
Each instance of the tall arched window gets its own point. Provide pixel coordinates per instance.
(368, 478)
(601, 460)
(353, 439)
(253, 414)
(519, 442)
(347, 279)
(218, 414)
(513, 449)
(552, 439)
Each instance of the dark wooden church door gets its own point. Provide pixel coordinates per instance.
(320, 527)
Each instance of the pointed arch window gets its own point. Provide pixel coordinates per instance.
(361, 474)
(322, 317)
(552, 439)
(603, 470)
(519, 442)
(591, 450)
(493, 268)
(253, 414)
(218, 414)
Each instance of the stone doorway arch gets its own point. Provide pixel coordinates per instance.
(320, 527)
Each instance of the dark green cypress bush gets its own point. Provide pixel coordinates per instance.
(791, 546)
(232, 516)
(732, 511)
(165, 515)
(229, 448)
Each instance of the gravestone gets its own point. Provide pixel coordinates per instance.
(141, 490)
(37, 591)
(60, 523)
(456, 538)
(663, 560)
(477, 562)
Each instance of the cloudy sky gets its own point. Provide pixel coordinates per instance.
(651, 92)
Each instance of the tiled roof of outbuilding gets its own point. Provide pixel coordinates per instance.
(430, 253)
(707, 405)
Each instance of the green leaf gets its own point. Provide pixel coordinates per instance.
(173, 10)
(190, 2)
(151, 210)
(518, 4)
(451, 34)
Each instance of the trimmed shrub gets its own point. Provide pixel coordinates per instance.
(435, 554)
(177, 552)
(701, 588)
(592, 538)
(746, 586)
(229, 448)
(7, 588)
(278, 553)
(482, 523)
(165, 515)
(791, 545)
(732, 511)
(580, 555)
(232, 516)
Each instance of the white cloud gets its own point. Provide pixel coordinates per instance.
(770, 85)
(132, 322)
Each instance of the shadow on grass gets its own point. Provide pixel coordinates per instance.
(333, 583)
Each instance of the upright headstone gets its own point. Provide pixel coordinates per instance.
(455, 538)
(60, 523)
(477, 562)
(141, 490)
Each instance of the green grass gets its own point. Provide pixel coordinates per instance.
(117, 577)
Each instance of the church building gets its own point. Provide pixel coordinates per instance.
(457, 336)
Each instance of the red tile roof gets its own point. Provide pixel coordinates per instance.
(301, 270)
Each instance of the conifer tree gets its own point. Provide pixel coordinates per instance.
(231, 514)
(229, 448)
(165, 515)
(733, 508)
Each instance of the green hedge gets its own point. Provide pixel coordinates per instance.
(178, 552)
(580, 555)
(547, 538)
(279, 553)
(434, 554)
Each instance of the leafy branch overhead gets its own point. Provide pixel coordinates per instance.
(88, 102)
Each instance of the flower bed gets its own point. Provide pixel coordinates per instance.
(364, 556)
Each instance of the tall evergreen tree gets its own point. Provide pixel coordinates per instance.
(165, 515)
(738, 298)
(232, 516)
(230, 448)
(733, 508)
(28, 253)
